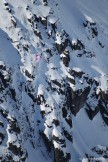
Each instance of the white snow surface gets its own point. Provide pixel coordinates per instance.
(70, 16)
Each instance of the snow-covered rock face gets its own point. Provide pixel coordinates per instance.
(54, 108)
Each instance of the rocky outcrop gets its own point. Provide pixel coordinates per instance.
(40, 99)
(78, 99)
(60, 157)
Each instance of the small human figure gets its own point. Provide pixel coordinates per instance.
(38, 57)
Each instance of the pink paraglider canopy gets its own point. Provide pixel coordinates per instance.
(38, 57)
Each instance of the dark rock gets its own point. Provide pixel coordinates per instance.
(4, 113)
(60, 157)
(4, 81)
(69, 121)
(2, 136)
(78, 45)
(47, 142)
(15, 150)
(71, 80)
(104, 96)
(43, 113)
(90, 23)
(64, 112)
(38, 34)
(68, 94)
(78, 99)
(13, 93)
(62, 47)
(59, 47)
(66, 58)
(37, 19)
(14, 126)
(56, 82)
(101, 44)
(32, 97)
(60, 141)
(38, 121)
(2, 67)
(28, 74)
(102, 152)
(26, 47)
(54, 27)
(56, 122)
(40, 100)
(49, 51)
(14, 23)
(94, 31)
(76, 73)
(8, 9)
(1, 124)
(27, 7)
(92, 113)
(91, 28)
(30, 20)
(103, 111)
(65, 44)
(67, 135)
(43, 21)
(5, 3)
(45, 2)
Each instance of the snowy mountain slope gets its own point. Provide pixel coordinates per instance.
(53, 81)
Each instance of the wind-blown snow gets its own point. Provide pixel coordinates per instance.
(21, 40)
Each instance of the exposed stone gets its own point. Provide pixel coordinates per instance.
(4, 81)
(16, 150)
(45, 2)
(69, 121)
(78, 45)
(4, 113)
(40, 100)
(56, 82)
(47, 142)
(104, 111)
(90, 23)
(94, 31)
(26, 47)
(43, 20)
(38, 34)
(71, 80)
(67, 135)
(54, 27)
(13, 94)
(66, 58)
(1, 124)
(92, 113)
(14, 126)
(60, 141)
(28, 74)
(64, 112)
(76, 73)
(32, 97)
(2, 136)
(43, 113)
(2, 67)
(56, 122)
(60, 157)
(14, 22)
(62, 47)
(104, 96)
(101, 44)
(59, 47)
(78, 99)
